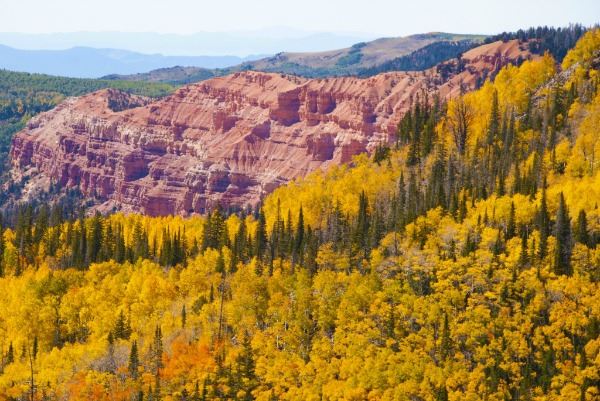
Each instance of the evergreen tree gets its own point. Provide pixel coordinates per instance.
(581, 229)
(524, 254)
(446, 341)
(363, 220)
(543, 224)
(562, 255)
(245, 367)
(122, 330)
(95, 239)
(134, 361)
(81, 261)
(493, 130)
(220, 268)
(10, 355)
(260, 237)
(511, 225)
(298, 251)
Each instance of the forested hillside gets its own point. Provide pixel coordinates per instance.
(23, 95)
(461, 263)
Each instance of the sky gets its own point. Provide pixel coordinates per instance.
(373, 17)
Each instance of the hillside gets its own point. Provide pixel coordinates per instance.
(459, 263)
(351, 60)
(23, 95)
(172, 75)
(230, 139)
(365, 59)
(411, 53)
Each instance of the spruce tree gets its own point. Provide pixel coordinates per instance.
(134, 361)
(245, 367)
(511, 225)
(260, 237)
(581, 231)
(95, 239)
(220, 267)
(543, 224)
(446, 341)
(494, 121)
(363, 220)
(10, 355)
(562, 254)
(299, 238)
(524, 255)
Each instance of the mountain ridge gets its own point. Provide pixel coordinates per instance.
(87, 62)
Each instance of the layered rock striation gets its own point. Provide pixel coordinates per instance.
(231, 139)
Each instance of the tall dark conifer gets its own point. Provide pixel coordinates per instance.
(581, 229)
(564, 245)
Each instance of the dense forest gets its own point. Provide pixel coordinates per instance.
(459, 263)
(23, 95)
(422, 59)
(541, 39)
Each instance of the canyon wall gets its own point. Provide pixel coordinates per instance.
(228, 140)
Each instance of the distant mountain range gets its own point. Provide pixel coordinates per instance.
(85, 62)
(410, 53)
(241, 43)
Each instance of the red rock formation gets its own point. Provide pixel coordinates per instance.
(230, 139)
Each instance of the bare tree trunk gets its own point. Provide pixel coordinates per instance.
(32, 387)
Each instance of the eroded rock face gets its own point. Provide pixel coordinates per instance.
(230, 139)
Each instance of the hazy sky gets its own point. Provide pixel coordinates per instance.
(388, 17)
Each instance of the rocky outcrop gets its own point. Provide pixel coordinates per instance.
(231, 139)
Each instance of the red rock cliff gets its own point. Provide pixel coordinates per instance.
(230, 139)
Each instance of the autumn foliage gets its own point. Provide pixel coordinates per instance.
(461, 264)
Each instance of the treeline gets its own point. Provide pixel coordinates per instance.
(422, 59)
(543, 39)
(28, 94)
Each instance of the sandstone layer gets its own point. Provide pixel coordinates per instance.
(231, 139)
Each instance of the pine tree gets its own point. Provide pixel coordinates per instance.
(298, 251)
(363, 220)
(220, 268)
(245, 366)
(260, 237)
(82, 245)
(140, 242)
(156, 351)
(10, 355)
(524, 255)
(442, 394)
(122, 329)
(581, 231)
(511, 225)
(95, 239)
(562, 255)
(134, 361)
(543, 223)
(446, 341)
(494, 121)
(239, 252)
